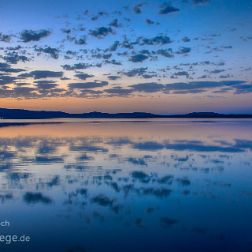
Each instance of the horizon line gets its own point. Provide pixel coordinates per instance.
(131, 112)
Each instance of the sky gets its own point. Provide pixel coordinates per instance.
(121, 56)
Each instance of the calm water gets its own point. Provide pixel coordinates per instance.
(161, 185)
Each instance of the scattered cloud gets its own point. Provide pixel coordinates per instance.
(200, 1)
(138, 58)
(31, 35)
(83, 76)
(101, 32)
(40, 74)
(88, 85)
(6, 68)
(147, 87)
(6, 79)
(167, 8)
(14, 57)
(138, 8)
(157, 40)
(5, 37)
(78, 66)
(45, 84)
(184, 50)
(53, 52)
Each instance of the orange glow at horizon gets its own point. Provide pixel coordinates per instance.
(155, 104)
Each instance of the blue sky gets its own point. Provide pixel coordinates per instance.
(165, 57)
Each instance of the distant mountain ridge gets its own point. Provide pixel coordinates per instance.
(29, 114)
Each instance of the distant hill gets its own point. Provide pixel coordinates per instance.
(28, 114)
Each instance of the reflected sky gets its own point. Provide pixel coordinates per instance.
(128, 186)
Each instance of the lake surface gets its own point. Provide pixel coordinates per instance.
(123, 186)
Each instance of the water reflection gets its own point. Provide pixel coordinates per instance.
(152, 187)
